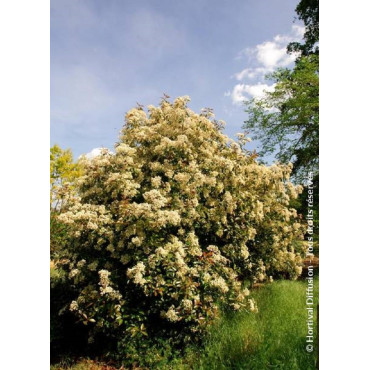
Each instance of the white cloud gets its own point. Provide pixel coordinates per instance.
(272, 54)
(251, 73)
(95, 153)
(298, 31)
(258, 90)
(262, 59)
(237, 94)
(253, 91)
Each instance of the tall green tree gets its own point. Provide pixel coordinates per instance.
(308, 12)
(286, 120)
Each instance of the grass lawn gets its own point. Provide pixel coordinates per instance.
(274, 338)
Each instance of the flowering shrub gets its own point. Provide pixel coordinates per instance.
(164, 230)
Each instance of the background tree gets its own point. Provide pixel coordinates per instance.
(63, 174)
(63, 171)
(308, 12)
(286, 120)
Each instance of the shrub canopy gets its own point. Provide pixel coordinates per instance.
(165, 230)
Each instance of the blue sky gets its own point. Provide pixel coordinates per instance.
(107, 55)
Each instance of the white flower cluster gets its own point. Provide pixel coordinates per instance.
(136, 273)
(105, 288)
(171, 314)
(220, 283)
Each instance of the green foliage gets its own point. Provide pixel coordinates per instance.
(308, 12)
(58, 235)
(63, 172)
(63, 175)
(286, 120)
